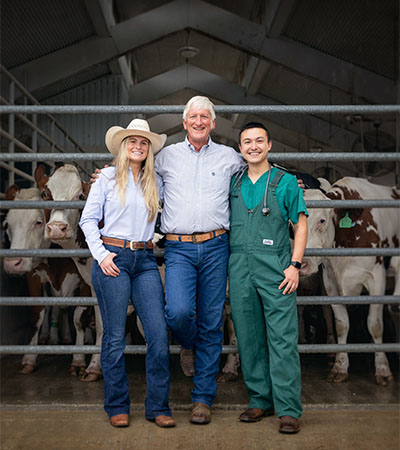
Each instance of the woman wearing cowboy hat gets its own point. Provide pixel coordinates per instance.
(126, 196)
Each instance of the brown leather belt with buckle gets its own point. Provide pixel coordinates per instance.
(195, 237)
(127, 244)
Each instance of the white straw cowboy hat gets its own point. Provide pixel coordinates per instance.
(138, 127)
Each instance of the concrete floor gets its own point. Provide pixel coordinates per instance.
(51, 410)
(322, 430)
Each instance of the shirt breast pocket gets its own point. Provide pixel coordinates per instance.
(217, 178)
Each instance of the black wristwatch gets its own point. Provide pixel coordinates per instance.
(296, 264)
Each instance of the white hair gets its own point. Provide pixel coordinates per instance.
(199, 102)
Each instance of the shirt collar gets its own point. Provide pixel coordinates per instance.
(192, 147)
(246, 178)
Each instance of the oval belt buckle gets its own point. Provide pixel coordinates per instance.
(194, 239)
(130, 246)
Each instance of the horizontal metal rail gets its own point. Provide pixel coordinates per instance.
(83, 253)
(34, 127)
(219, 109)
(301, 300)
(273, 157)
(176, 349)
(17, 142)
(79, 204)
(35, 102)
(33, 156)
(22, 204)
(347, 300)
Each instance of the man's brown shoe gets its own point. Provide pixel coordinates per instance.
(289, 425)
(201, 414)
(164, 421)
(120, 420)
(187, 362)
(255, 414)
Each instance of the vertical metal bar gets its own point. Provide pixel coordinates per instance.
(11, 130)
(362, 143)
(34, 142)
(52, 132)
(397, 78)
(397, 176)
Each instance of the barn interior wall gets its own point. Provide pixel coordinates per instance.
(88, 129)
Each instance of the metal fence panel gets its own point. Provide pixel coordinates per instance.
(274, 157)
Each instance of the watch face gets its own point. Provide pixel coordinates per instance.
(296, 264)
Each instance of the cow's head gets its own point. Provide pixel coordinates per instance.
(321, 231)
(64, 184)
(25, 230)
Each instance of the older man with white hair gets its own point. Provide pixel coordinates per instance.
(196, 174)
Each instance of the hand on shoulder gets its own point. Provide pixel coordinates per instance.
(95, 175)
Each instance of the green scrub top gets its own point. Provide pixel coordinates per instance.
(288, 194)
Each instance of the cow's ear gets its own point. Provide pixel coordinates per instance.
(11, 191)
(355, 213)
(40, 176)
(85, 189)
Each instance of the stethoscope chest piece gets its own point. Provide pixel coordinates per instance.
(265, 211)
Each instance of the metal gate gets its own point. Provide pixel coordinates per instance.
(275, 157)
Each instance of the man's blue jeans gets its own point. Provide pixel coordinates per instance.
(140, 281)
(195, 289)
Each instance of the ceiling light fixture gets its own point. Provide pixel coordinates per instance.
(188, 51)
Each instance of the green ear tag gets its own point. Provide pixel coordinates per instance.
(345, 222)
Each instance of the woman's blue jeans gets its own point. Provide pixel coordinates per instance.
(139, 280)
(195, 291)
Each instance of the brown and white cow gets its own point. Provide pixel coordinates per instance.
(25, 229)
(347, 276)
(62, 228)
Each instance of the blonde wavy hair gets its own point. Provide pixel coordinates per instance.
(148, 181)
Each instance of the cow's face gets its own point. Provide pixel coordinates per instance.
(321, 231)
(25, 230)
(64, 185)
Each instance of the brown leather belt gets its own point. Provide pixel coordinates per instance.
(195, 237)
(127, 244)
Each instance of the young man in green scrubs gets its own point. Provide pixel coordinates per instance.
(263, 278)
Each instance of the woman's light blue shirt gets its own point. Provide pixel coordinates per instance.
(128, 222)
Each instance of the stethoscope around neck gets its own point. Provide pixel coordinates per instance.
(265, 211)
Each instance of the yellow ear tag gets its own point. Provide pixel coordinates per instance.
(345, 222)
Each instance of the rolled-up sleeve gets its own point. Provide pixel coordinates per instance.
(91, 216)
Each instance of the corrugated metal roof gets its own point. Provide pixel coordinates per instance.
(125, 9)
(248, 9)
(31, 29)
(361, 32)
